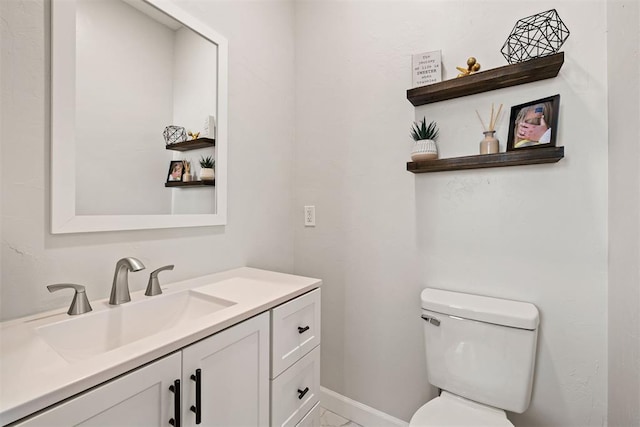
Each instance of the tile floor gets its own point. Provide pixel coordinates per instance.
(329, 419)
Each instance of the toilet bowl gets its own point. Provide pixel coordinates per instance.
(451, 410)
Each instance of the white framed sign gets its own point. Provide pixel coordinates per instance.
(426, 68)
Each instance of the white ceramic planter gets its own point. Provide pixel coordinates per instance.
(425, 149)
(206, 174)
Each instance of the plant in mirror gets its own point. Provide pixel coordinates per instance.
(108, 110)
(206, 168)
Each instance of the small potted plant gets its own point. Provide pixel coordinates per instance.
(425, 136)
(206, 168)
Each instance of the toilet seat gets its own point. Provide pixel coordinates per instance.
(452, 410)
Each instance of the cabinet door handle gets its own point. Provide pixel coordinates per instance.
(301, 393)
(302, 330)
(175, 388)
(197, 408)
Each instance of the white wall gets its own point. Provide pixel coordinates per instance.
(195, 61)
(261, 114)
(534, 233)
(624, 212)
(124, 99)
(195, 85)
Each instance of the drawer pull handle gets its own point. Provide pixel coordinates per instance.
(197, 408)
(302, 330)
(175, 388)
(301, 393)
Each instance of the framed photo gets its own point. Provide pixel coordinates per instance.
(176, 169)
(534, 124)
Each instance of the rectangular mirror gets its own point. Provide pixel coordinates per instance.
(122, 71)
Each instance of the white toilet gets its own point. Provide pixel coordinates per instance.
(481, 354)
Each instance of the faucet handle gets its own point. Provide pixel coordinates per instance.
(80, 303)
(153, 287)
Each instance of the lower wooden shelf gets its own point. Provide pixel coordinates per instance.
(530, 156)
(190, 183)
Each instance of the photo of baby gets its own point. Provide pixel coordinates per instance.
(176, 168)
(533, 124)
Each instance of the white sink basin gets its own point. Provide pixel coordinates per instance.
(87, 335)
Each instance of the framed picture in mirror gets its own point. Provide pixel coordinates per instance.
(176, 169)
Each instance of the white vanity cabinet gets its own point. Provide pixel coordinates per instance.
(233, 370)
(243, 345)
(295, 362)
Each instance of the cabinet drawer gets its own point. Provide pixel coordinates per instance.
(295, 329)
(312, 419)
(296, 391)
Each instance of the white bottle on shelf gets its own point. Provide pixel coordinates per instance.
(209, 127)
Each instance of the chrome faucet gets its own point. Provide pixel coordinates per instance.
(120, 288)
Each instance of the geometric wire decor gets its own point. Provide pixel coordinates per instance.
(173, 134)
(535, 36)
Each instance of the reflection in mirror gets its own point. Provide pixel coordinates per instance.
(134, 76)
(137, 70)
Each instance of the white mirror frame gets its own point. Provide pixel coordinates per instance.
(63, 170)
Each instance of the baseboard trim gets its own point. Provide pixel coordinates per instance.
(357, 412)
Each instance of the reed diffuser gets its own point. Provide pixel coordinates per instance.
(490, 144)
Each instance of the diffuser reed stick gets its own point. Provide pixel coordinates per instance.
(492, 126)
(493, 120)
(484, 128)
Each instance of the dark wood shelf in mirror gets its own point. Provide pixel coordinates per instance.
(530, 156)
(497, 78)
(192, 144)
(190, 183)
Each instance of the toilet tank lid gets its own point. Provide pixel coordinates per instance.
(515, 314)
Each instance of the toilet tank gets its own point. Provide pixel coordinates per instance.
(481, 348)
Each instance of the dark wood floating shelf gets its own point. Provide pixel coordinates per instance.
(192, 144)
(497, 78)
(190, 183)
(531, 156)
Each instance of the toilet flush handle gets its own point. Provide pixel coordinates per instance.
(431, 319)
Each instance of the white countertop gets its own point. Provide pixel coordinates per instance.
(33, 375)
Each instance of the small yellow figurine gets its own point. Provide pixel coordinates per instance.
(194, 135)
(472, 67)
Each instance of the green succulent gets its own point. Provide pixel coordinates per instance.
(207, 162)
(420, 130)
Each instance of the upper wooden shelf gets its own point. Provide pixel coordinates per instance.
(530, 156)
(509, 75)
(196, 183)
(192, 144)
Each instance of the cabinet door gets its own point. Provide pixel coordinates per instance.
(140, 398)
(234, 376)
